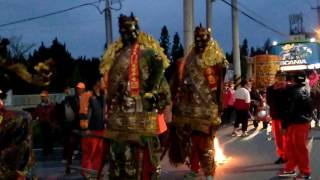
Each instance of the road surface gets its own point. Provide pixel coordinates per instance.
(248, 158)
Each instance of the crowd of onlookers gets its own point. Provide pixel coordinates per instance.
(285, 105)
(244, 104)
(289, 105)
(79, 114)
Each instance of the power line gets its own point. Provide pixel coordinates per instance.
(56, 24)
(49, 14)
(255, 20)
(251, 11)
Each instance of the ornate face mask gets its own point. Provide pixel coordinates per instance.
(128, 28)
(201, 38)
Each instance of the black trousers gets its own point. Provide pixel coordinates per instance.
(242, 117)
(47, 138)
(227, 114)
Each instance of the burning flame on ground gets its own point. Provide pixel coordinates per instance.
(219, 157)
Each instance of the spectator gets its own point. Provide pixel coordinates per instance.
(276, 102)
(67, 120)
(263, 110)
(255, 100)
(1, 101)
(296, 123)
(78, 105)
(45, 114)
(228, 103)
(241, 105)
(93, 148)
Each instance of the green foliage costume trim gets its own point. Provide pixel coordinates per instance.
(145, 40)
(212, 54)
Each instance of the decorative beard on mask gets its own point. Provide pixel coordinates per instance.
(201, 38)
(128, 28)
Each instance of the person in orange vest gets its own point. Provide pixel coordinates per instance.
(93, 148)
(84, 124)
(79, 105)
(197, 104)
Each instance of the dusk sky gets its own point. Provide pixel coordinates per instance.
(83, 29)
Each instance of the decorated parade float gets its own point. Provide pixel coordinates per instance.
(288, 57)
(264, 69)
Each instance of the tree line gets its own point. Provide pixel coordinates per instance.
(68, 70)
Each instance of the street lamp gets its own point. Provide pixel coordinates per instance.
(274, 43)
(312, 39)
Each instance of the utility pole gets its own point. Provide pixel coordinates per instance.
(318, 13)
(108, 21)
(188, 20)
(209, 13)
(236, 48)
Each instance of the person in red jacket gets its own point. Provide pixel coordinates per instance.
(242, 105)
(45, 114)
(228, 103)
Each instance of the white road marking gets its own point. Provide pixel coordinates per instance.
(251, 136)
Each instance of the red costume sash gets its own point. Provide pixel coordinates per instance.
(134, 71)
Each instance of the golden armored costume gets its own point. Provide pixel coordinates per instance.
(134, 77)
(16, 155)
(196, 107)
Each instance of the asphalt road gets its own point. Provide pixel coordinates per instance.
(248, 158)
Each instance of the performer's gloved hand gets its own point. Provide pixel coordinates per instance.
(152, 98)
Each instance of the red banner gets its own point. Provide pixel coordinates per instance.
(134, 71)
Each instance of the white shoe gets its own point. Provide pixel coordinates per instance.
(244, 134)
(287, 174)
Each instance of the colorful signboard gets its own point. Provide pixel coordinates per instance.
(298, 55)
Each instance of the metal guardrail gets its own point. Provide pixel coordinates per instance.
(32, 100)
